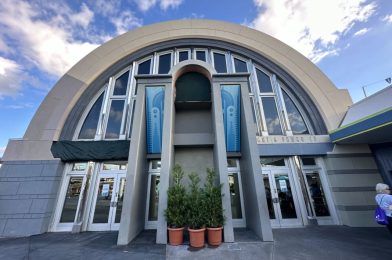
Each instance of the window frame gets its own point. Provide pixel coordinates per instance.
(156, 63)
(205, 50)
(177, 54)
(225, 54)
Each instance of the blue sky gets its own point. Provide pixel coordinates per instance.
(350, 41)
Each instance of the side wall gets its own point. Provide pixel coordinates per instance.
(353, 175)
(28, 192)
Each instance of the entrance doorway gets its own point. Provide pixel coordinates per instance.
(108, 202)
(154, 171)
(282, 198)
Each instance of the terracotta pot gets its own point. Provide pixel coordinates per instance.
(215, 236)
(196, 237)
(176, 236)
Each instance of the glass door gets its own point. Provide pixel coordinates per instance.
(153, 195)
(281, 198)
(108, 202)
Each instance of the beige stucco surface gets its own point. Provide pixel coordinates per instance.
(51, 115)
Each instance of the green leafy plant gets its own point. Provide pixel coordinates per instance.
(213, 201)
(176, 200)
(196, 203)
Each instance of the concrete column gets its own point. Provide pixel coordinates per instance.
(220, 159)
(167, 161)
(257, 218)
(133, 212)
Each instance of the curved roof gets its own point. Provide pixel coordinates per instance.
(52, 113)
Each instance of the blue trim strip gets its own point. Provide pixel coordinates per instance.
(362, 126)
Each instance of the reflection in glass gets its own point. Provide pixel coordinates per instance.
(79, 166)
(115, 118)
(232, 163)
(235, 198)
(114, 166)
(220, 63)
(120, 199)
(164, 63)
(201, 55)
(264, 82)
(317, 193)
(154, 198)
(268, 194)
(71, 200)
(183, 55)
(271, 116)
(104, 198)
(240, 66)
(286, 201)
(155, 165)
(120, 87)
(272, 161)
(144, 67)
(297, 123)
(90, 123)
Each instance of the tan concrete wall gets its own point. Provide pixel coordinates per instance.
(51, 115)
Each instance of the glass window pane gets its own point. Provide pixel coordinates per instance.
(317, 193)
(144, 67)
(268, 194)
(89, 127)
(115, 118)
(120, 87)
(240, 66)
(297, 122)
(272, 161)
(286, 201)
(154, 198)
(155, 165)
(71, 200)
(183, 55)
(235, 198)
(79, 166)
(308, 161)
(232, 163)
(264, 81)
(104, 197)
(164, 63)
(114, 166)
(271, 116)
(201, 55)
(120, 199)
(220, 63)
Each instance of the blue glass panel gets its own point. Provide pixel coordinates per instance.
(231, 117)
(154, 116)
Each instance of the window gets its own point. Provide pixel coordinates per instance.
(271, 116)
(220, 62)
(144, 67)
(264, 82)
(89, 127)
(272, 161)
(164, 63)
(297, 122)
(121, 85)
(115, 118)
(240, 66)
(183, 55)
(201, 55)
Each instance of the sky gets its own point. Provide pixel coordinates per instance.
(349, 40)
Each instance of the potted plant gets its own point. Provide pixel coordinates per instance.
(196, 212)
(214, 211)
(176, 208)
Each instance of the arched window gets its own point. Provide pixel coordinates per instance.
(89, 127)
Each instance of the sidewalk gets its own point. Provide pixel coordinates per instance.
(326, 242)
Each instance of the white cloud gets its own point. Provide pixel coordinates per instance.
(106, 7)
(48, 43)
(361, 32)
(20, 106)
(126, 21)
(387, 18)
(145, 5)
(166, 4)
(10, 77)
(312, 27)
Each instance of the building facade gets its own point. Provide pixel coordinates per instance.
(100, 149)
